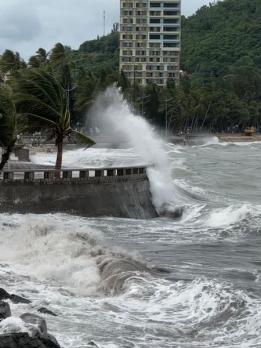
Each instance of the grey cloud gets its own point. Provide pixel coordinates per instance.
(23, 28)
(18, 23)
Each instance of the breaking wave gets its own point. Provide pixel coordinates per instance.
(67, 252)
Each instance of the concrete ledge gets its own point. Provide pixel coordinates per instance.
(125, 192)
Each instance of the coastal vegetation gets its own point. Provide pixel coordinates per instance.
(42, 100)
(8, 126)
(219, 88)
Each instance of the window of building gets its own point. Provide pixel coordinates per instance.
(155, 4)
(171, 20)
(170, 37)
(155, 20)
(155, 29)
(170, 44)
(154, 37)
(171, 13)
(170, 29)
(171, 4)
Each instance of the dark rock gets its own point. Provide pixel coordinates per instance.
(50, 341)
(46, 311)
(5, 311)
(23, 340)
(170, 212)
(92, 344)
(40, 329)
(18, 299)
(4, 294)
(36, 321)
(14, 298)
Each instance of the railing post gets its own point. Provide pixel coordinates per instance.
(49, 175)
(111, 172)
(29, 176)
(84, 174)
(99, 173)
(8, 176)
(129, 171)
(67, 174)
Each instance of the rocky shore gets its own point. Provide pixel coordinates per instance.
(27, 331)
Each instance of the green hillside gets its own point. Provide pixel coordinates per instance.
(220, 87)
(218, 36)
(221, 60)
(100, 53)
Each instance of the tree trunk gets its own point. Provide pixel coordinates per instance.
(59, 158)
(5, 157)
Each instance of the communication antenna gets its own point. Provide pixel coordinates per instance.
(104, 22)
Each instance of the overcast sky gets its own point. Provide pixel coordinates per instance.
(26, 25)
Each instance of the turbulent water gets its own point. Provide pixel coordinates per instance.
(188, 282)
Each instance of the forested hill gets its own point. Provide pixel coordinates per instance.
(100, 53)
(213, 40)
(219, 36)
(220, 88)
(221, 60)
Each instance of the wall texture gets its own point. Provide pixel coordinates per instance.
(127, 197)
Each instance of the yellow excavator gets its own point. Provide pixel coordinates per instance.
(250, 131)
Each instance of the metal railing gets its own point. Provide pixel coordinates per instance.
(71, 175)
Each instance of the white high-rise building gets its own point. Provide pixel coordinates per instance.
(150, 34)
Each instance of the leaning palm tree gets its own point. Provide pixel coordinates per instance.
(8, 127)
(40, 97)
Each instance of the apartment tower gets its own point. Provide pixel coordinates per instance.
(150, 33)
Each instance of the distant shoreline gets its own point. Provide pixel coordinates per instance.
(234, 138)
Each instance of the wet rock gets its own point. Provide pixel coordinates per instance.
(171, 212)
(5, 311)
(23, 340)
(50, 341)
(38, 322)
(18, 299)
(92, 344)
(40, 326)
(4, 295)
(46, 311)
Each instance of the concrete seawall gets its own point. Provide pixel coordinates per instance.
(118, 192)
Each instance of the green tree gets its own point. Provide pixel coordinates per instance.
(39, 59)
(8, 126)
(9, 63)
(41, 98)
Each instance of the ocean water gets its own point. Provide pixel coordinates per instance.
(191, 282)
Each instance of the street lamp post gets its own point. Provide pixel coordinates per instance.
(143, 98)
(166, 116)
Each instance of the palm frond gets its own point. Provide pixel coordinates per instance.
(38, 92)
(8, 122)
(84, 139)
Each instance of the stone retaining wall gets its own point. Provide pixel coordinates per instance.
(119, 192)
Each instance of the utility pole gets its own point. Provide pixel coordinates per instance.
(166, 119)
(104, 23)
(134, 85)
(143, 101)
(166, 116)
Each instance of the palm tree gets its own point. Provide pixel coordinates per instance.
(40, 97)
(9, 63)
(39, 59)
(8, 127)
